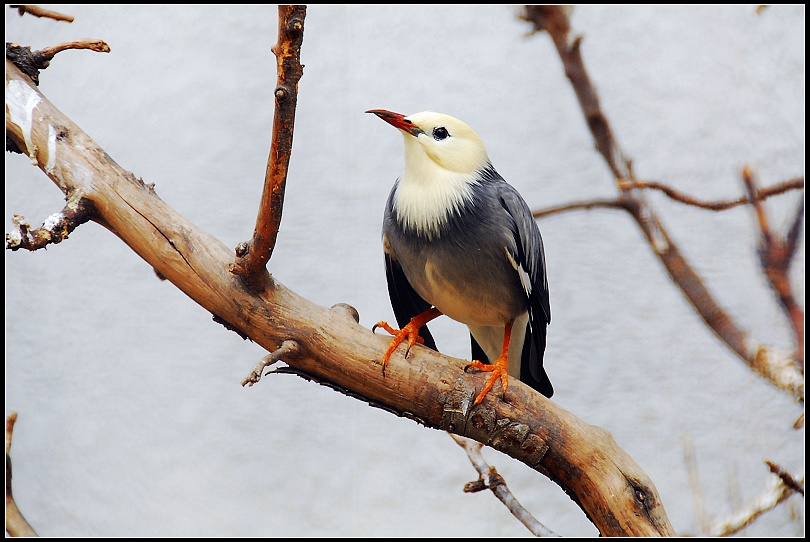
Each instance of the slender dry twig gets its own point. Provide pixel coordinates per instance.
(287, 348)
(773, 366)
(788, 479)
(761, 193)
(488, 478)
(775, 256)
(31, 62)
(37, 11)
(614, 203)
(252, 257)
(778, 492)
(16, 525)
(99, 46)
(55, 229)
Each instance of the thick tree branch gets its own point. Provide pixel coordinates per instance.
(783, 373)
(428, 387)
(252, 257)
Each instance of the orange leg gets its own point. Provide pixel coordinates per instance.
(410, 332)
(497, 368)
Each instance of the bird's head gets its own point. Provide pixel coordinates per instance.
(434, 139)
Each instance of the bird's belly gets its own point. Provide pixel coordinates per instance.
(482, 300)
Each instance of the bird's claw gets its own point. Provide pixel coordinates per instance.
(409, 331)
(498, 370)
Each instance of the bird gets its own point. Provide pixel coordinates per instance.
(460, 241)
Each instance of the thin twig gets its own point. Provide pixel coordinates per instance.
(761, 194)
(16, 525)
(99, 46)
(37, 11)
(777, 493)
(775, 255)
(287, 348)
(488, 478)
(252, 257)
(31, 62)
(614, 203)
(55, 229)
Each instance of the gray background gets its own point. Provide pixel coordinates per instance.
(132, 420)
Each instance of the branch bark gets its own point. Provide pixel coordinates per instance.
(432, 389)
(37, 11)
(252, 257)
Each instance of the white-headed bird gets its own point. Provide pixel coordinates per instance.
(461, 241)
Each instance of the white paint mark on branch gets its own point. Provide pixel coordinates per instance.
(21, 100)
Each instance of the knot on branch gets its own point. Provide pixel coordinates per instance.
(27, 61)
(347, 310)
(490, 480)
(242, 249)
(295, 26)
(282, 93)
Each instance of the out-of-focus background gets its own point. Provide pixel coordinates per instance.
(132, 420)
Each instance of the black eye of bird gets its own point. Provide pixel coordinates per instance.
(440, 133)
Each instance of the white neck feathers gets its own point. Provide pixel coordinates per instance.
(425, 200)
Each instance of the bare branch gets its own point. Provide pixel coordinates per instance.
(777, 493)
(252, 257)
(31, 62)
(761, 194)
(287, 348)
(99, 46)
(16, 525)
(488, 478)
(775, 255)
(554, 20)
(615, 203)
(584, 460)
(55, 229)
(786, 477)
(37, 11)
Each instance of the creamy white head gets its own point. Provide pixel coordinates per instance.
(444, 158)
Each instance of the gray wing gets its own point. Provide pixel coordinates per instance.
(530, 258)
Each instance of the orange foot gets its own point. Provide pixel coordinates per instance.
(410, 332)
(498, 369)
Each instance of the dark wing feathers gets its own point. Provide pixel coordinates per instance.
(530, 258)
